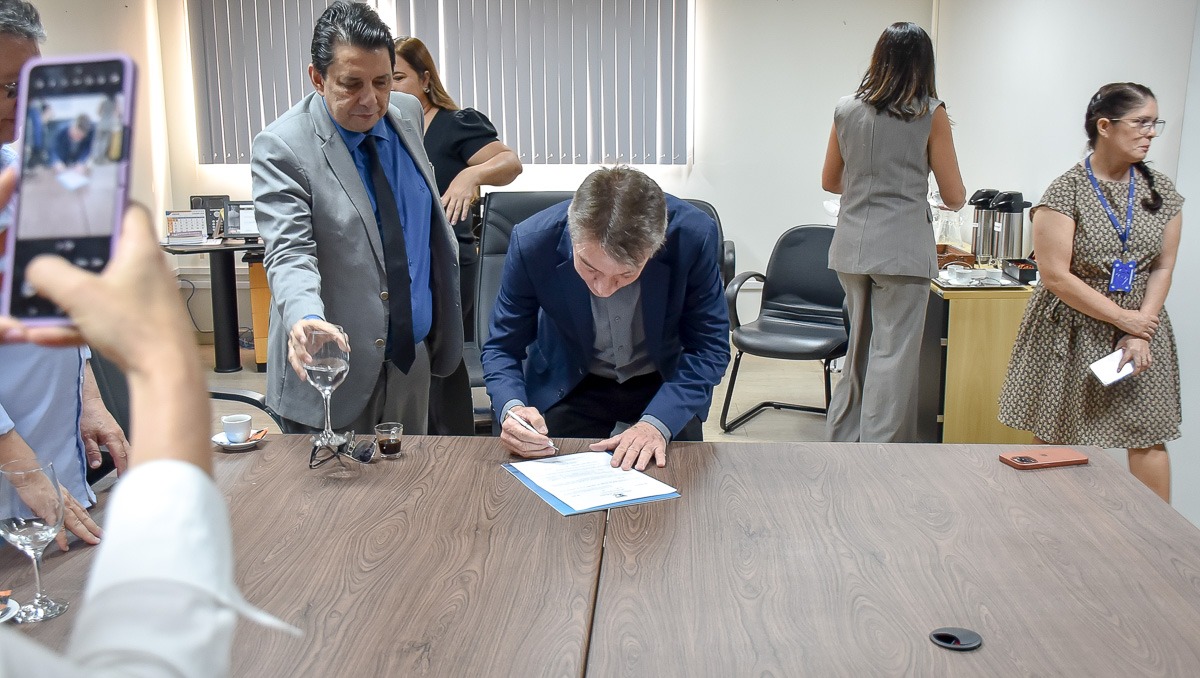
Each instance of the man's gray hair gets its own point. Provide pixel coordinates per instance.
(21, 19)
(623, 211)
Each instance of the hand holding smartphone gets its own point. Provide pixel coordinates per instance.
(1043, 457)
(1107, 371)
(76, 115)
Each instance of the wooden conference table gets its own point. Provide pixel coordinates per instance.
(779, 559)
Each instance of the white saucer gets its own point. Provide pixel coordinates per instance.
(223, 441)
(10, 611)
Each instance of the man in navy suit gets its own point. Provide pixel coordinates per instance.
(610, 323)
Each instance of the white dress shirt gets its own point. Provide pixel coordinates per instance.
(161, 600)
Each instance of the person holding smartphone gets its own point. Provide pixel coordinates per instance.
(50, 405)
(1106, 234)
(161, 590)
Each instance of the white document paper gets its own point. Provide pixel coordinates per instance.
(1106, 371)
(72, 180)
(587, 480)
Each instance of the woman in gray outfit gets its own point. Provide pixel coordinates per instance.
(885, 140)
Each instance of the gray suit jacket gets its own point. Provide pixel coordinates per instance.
(324, 255)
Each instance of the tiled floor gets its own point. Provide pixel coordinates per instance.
(759, 379)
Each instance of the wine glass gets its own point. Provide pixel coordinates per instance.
(328, 368)
(31, 504)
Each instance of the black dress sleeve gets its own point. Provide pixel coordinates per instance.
(472, 131)
(452, 138)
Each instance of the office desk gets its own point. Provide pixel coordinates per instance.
(809, 559)
(968, 339)
(224, 297)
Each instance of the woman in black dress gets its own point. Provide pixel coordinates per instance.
(466, 153)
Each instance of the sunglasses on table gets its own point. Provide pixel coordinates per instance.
(362, 452)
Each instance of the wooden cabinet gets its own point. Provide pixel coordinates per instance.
(260, 310)
(969, 335)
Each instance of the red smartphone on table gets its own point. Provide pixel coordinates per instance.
(1043, 457)
(76, 114)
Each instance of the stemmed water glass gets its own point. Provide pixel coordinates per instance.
(328, 368)
(31, 504)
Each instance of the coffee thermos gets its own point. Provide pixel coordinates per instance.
(1009, 230)
(983, 224)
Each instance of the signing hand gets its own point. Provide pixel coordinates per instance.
(520, 440)
(298, 355)
(1136, 351)
(634, 447)
(459, 196)
(1138, 324)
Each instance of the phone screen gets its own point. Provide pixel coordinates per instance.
(74, 170)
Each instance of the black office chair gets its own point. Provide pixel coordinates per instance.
(801, 317)
(502, 210)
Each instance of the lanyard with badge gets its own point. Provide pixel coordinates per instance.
(1124, 265)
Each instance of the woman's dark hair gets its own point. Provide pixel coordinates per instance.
(350, 23)
(417, 56)
(900, 79)
(1113, 101)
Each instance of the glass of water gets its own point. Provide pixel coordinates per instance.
(330, 363)
(31, 506)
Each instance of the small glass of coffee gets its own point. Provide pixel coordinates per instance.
(388, 436)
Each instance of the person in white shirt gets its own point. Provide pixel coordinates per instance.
(161, 600)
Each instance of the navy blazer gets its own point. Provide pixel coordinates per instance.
(542, 333)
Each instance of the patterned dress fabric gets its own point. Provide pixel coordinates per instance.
(1049, 389)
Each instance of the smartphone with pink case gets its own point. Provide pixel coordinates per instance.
(75, 117)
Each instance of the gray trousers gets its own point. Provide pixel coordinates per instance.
(397, 397)
(875, 401)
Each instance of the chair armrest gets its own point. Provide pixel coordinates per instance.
(731, 292)
(728, 261)
(246, 397)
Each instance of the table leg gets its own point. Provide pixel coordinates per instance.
(225, 311)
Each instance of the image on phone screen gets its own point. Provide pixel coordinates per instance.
(74, 168)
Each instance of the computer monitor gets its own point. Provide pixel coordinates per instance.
(241, 220)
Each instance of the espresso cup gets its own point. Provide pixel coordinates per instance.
(388, 438)
(237, 427)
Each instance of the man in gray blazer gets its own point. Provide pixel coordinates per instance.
(346, 202)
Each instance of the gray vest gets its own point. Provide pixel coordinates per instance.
(885, 224)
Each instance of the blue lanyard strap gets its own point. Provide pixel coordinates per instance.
(1122, 233)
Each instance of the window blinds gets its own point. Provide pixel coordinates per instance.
(564, 81)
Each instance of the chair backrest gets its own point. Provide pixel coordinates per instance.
(725, 257)
(711, 211)
(799, 284)
(502, 210)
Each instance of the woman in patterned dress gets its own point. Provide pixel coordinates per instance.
(1084, 310)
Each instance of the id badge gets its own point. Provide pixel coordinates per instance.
(1122, 276)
